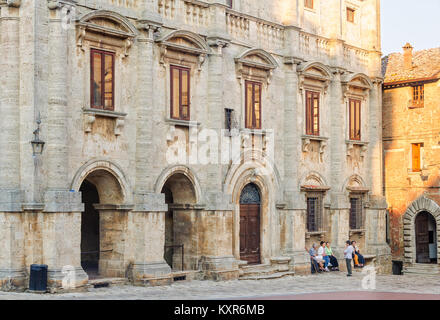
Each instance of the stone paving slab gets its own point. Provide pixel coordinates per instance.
(209, 290)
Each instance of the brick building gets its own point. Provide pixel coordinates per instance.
(411, 133)
(280, 99)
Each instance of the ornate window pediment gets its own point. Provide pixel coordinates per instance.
(314, 74)
(256, 62)
(357, 85)
(183, 46)
(106, 26)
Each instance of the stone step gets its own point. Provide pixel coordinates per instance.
(276, 275)
(255, 266)
(257, 270)
(250, 273)
(106, 282)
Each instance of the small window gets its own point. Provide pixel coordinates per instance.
(416, 155)
(355, 120)
(229, 3)
(356, 213)
(418, 96)
(314, 213)
(180, 93)
(102, 79)
(312, 113)
(308, 4)
(253, 105)
(350, 15)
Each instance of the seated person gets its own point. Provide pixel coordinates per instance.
(333, 261)
(315, 260)
(358, 259)
(322, 255)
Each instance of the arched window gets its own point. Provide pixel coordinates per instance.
(250, 195)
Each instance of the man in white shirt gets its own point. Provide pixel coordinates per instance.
(348, 254)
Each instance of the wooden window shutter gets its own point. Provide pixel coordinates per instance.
(416, 163)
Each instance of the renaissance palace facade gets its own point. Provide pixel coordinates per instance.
(158, 139)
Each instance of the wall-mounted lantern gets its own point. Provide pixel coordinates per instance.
(37, 144)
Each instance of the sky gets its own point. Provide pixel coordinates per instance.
(413, 21)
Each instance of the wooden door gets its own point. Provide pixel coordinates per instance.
(250, 233)
(422, 238)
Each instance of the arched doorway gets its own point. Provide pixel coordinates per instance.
(180, 250)
(103, 226)
(250, 202)
(426, 238)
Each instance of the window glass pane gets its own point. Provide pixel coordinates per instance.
(249, 104)
(352, 120)
(175, 93)
(96, 80)
(108, 77)
(358, 120)
(257, 105)
(316, 115)
(185, 94)
(308, 113)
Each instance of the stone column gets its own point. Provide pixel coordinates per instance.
(62, 218)
(339, 208)
(147, 220)
(376, 213)
(214, 224)
(295, 205)
(11, 234)
(147, 230)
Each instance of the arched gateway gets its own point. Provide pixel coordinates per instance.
(421, 236)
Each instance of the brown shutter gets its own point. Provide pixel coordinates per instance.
(416, 157)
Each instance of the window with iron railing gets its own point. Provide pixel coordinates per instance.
(314, 212)
(356, 212)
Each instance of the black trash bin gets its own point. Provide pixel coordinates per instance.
(397, 267)
(38, 278)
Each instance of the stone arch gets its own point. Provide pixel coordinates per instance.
(359, 80)
(122, 24)
(194, 41)
(108, 178)
(258, 173)
(315, 69)
(423, 203)
(258, 58)
(184, 171)
(354, 181)
(312, 178)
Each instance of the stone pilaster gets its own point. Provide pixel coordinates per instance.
(12, 273)
(57, 157)
(339, 207)
(62, 213)
(147, 229)
(9, 98)
(145, 105)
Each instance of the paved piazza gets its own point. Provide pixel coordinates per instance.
(300, 287)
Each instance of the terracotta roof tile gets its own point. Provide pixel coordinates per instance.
(426, 64)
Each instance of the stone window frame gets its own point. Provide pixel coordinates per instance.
(103, 53)
(92, 36)
(175, 55)
(181, 69)
(260, 73)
